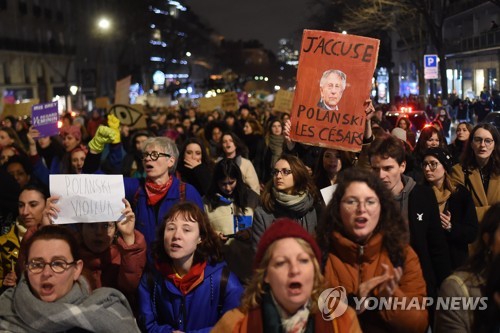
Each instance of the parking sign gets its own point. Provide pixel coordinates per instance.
(430, 66)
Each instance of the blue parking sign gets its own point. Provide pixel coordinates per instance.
(430, 60)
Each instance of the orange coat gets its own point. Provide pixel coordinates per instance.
(236, 321)
(349, 264)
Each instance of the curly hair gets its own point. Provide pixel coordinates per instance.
(256, 288)
(302, 180)
(469, 158)
(391, 223)
(208, 250)
(205, 159)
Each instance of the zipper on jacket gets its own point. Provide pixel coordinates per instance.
(183, 314)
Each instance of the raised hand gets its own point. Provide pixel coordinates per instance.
(51, 210)
(126, 226)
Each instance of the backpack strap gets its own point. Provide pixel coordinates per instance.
(222, 289)
(182, 191)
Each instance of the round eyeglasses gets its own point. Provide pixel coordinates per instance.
(57, 266)
(154, 155)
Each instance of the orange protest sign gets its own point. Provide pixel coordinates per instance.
(333, 81)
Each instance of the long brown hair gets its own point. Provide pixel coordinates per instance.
(469, 158)
(396, 236)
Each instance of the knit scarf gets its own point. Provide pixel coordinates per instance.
(442, 196)
(186, 283)
(276, 147)
(288, 199)
(295, 323)
(105, 310)
(156, 192)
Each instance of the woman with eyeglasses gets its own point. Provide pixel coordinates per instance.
(189, 287)
(113, 253)
(230, 205)
(479, 170)
(366, 244)
(152, 197)
(456, 208)
(291, 193)
(53, 296)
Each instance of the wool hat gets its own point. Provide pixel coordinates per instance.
(284, 228)
(399, 133)
(74, 130)
(443, 157)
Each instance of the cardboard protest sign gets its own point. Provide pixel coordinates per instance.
(88, 198)
(208, 104)
(129, 115)
(44, 118)
(333, 81)
(230, 101)
(122, 90)
(283, 101)
(102, 102)
(19, 110)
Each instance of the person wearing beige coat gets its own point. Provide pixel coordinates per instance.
(479, 171)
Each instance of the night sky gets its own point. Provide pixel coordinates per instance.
(264, 20)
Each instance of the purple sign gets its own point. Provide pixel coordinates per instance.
(44, 118)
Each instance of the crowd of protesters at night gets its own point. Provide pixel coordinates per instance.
(225, 228)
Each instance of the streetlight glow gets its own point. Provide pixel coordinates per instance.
(104, 23)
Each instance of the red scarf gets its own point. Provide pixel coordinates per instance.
(186, 283)
(156, 192)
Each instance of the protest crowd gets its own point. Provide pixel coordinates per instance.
(224, 225)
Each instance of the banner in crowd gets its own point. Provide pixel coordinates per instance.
(230, 101)
(44, 118)
(333, 82)
(129, 115)
(102, 102)
(283, 101)
(19, 110)
(88, 198)
(122, 90)
(227, 102)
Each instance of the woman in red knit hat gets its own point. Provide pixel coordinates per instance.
(283, 294)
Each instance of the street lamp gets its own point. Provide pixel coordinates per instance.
(104, 24)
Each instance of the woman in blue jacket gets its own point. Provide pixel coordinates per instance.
(190, 287)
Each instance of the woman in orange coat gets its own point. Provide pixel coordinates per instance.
(284, 293)
(366, 240)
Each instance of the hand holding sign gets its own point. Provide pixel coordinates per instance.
(126, 226)
(86, 198)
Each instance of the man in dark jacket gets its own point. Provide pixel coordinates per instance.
(419, 208)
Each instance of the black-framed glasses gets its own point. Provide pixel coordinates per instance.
(154, 155)
(487, 142)
(284, 172)
(432, 165)
(57, 266)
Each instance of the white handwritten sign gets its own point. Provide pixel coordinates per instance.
(88, 198)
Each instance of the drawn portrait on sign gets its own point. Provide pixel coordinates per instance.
(331, 86)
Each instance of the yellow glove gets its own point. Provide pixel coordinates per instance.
(103, 136)
(114, 124)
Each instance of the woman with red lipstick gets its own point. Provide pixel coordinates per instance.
(283, 294)
(52, 295)
(479, 170)
(366, 240)
(190, 287)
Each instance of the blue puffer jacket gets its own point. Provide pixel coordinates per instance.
(147, 218)
(163, 308)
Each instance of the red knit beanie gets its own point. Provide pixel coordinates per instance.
(284, 228)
